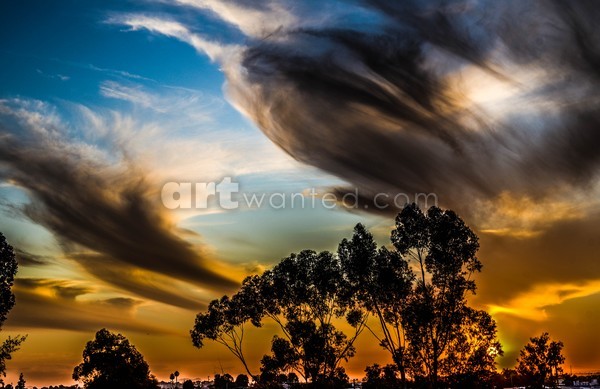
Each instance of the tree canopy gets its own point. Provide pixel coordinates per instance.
(21, 383)
(303, 295)
(540, 361)
(8, 270)
(110, 361)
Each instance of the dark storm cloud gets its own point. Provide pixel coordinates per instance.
(89, 203)
(391, 105)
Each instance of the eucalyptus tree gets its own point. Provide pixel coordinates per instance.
(441, 249)
(304, 295)
(8, 270)
(224, 322)
(379, 281)
(307, 295)
(416, 292)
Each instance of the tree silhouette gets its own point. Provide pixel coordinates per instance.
(8, 270)
(110, 361)
(225, 320)
(223, 381)
(378, 282)
(224, 323)
(292, 377)
(188, 384)
(242, 381)
(470, 360)
(416, 292)
(306, 291)
(540, 361)
(302, 294)
(443, 250)
(21, 383)
(381, 377)
(176, 374)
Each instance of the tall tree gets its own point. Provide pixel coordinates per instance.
(540, 361)
(442, 250)
(308, 291)
(302, 294)
(379, 282)
(224, 322)
(8, 270)
(110, 361)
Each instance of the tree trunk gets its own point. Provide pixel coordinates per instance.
(398, 359)
(403, 378)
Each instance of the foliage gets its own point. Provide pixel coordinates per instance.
(8, 270)
(110, 361)
(416, 293)
(188, 384)
(443, 250)
(242, 381)
(302, 295)
(223, 381)
(224, 322)
(379, 282)
(21, 383)
(540, 361)
(381, 377)
(308, 291)
(470, 360)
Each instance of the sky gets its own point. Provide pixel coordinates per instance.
(102, 103)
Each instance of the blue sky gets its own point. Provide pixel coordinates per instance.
(75, 55)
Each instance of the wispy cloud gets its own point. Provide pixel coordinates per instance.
(532, 304)
(219, 52)
(152, 285)
(56, 304)
(183, 127)
(93, 202)
(251, 20)
(196, 107)
(57, 76)
(117, 72)
(525, 217)
(112, 209)
(26, 258)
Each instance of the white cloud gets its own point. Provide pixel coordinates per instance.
(193, 105)
(251, 21)
(181, 126)
(218, 52)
